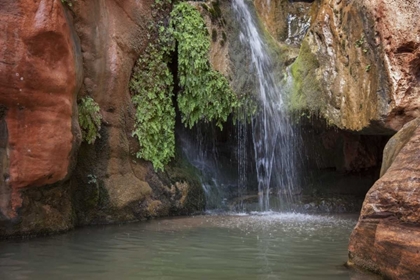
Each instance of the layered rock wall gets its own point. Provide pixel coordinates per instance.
(358, 67)
(112, 34)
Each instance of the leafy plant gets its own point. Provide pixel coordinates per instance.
(89, 119)
(92, 179)
(205, 93)
(359, 43)
(152, 88)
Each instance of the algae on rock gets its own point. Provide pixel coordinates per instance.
(306, 87)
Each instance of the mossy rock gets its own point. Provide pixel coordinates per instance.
(306, 93)
(184, 181)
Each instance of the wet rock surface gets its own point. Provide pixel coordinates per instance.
(285, 20)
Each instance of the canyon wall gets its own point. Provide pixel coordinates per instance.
(52, 53)
(358, 64)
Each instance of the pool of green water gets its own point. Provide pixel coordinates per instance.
(252, 246)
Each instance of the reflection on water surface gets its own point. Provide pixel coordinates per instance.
(256, 246)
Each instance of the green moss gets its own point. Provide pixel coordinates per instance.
(306, 88)
(359, 43)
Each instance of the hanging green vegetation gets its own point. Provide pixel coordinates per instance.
(205, 93)
(152, 88)
(89, 119)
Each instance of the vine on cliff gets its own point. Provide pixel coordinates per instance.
(89, 119)
(204, 94)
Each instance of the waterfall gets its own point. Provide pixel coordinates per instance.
(242, 163)
(274, 138)
(200, 149)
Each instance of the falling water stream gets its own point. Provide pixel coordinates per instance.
(274, 138)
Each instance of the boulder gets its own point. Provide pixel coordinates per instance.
(386, 239)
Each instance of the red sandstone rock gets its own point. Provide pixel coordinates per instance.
(387, 236)
(397, 27)
(42, 44)
(113, 34)
(38, 84)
